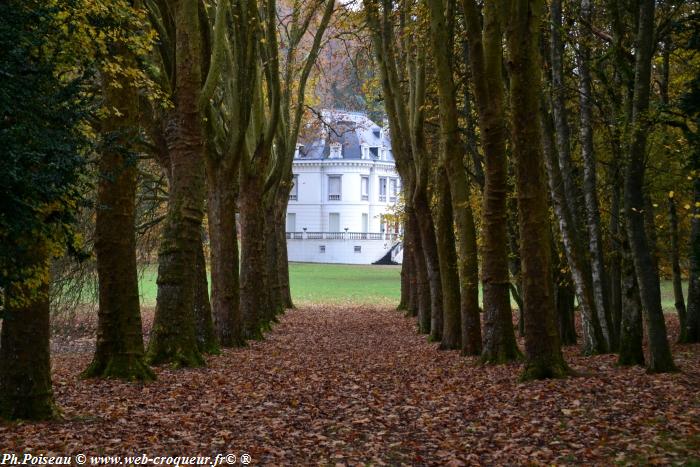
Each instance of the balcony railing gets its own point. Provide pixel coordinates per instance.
(382, 197)
(390, 236)
(334, 197)
(365, 197)
(293, 197)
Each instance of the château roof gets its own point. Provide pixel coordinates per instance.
(351, 130)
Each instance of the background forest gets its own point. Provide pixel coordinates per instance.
(549, 155)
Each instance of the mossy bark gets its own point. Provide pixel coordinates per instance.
(451, 337)
(206, 337)
(173, 337)
(543, 357)
(119, 351)
(25, 366)
(486, 57)
(224, 259)
(630, 349)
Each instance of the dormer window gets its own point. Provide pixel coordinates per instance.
(374, 151)
(336, 151)
(377, 132)
(299, 152)
(364, 149)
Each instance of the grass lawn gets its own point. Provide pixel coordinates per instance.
(320, 283)
(347, 283)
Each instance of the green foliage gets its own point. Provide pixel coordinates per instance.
(42, 112)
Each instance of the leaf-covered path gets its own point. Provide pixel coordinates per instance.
(357, 386)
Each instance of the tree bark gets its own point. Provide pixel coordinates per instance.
(253, 268)
(173, 338)
(431, 322)
(661, 359)
(566, 195)
(615, 261)
(25, 366)
(452, 157)
(451, 316)
(485, 62)
(206, 336)
(631, 330)
(590, 187)
(543, 358)
(119, 350)
(223, 244)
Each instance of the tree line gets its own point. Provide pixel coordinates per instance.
(535, 141)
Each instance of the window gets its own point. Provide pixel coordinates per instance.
(322, 249)
(382, 188)
(393, 190)
(291, 222)
(334, 222)
(294, 193)
(365, 222)
(374, 151)
(364, 188)
(358, 249)
(334, 187)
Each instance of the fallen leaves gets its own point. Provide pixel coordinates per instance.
(356, 386)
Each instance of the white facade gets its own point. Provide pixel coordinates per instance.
(344, 183)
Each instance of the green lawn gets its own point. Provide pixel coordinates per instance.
(345, 283)
(321, 283)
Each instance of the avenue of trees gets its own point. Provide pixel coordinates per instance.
(549, 153)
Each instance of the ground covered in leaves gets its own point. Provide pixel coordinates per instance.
(358, 386)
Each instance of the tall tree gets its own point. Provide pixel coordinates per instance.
(486, 57)
(42, 110)
(543, 357)
(452, 152)
(660, 359)
(173, 337)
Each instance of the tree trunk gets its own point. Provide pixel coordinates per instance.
(661, 359)
(25, 367)
(631, 331)
(282, 258)
(543, 358)
(615, 263)
(485, 60)
(431, 322)
(452, 157)
(253, 267)
(590, 187)
(206, 336)
(173, 338)
(566, 195)
(409, 289)
(679, 300)
(565, 298)
(592, 337)
(223, 244)
(421, 285)
(119, 350)
(451, 316)
(692, 318)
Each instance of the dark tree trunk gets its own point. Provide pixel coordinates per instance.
(282, 258)
(565, 298)
(173, 337)
(631, 329)
(543, 358)
(206, 336)
(451, 316)
(615, 263)
(692, 318)
(223, 244)
(431, 322)
(25, 366)
(409, 289)
(119, 350)
(253, 268)
(485, 60)
(661, 359)
(679, 300)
